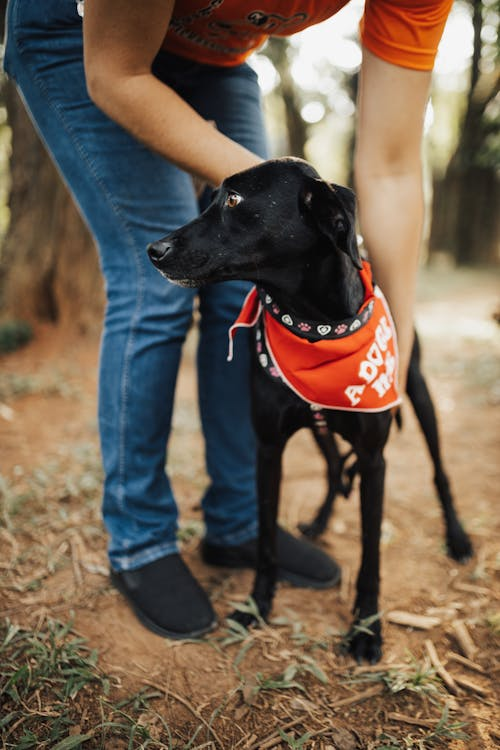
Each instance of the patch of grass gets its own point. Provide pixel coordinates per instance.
(13, 385)
(444, 731)
(448, 730)
(189, 530)
(54, 696)
(287, 679)
(415, 677)
(300, 637)
(235, 634)
(493, 623)
(296, 743)
(14, 334)
(284, 681)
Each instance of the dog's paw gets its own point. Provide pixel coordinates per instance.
(458, 545)
(364, 640)
(364, 647)
(252, 613)
(245, 619)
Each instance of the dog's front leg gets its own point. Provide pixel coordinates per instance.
(365, 638)
(268, 487)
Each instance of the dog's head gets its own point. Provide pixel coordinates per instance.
(263, 222)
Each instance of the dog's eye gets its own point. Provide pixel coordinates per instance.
(232, 200)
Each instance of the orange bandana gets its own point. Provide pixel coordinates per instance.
(350, 365)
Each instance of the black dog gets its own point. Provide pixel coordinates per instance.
(340, 476)
(282, 227)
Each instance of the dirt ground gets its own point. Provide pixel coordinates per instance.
(290, 676)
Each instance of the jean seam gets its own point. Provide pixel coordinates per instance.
(138, 560)
(140, 273)
(240, 537)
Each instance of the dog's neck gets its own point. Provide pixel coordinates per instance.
(328, 291)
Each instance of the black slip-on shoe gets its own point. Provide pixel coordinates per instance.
(166, 598)
(299, 562)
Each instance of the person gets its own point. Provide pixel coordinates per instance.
(126, 102)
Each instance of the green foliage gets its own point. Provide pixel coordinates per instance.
(444, 730)
(415, 677)
(46, 676)
(13, 385)
(14, 334)
(292, 742)
(493, 622)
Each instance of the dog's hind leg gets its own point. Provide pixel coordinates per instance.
(336, 483)
(458, 543)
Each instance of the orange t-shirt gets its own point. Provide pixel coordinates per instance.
(226, 32)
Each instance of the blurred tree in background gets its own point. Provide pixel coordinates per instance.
(466, 205)
(279, 52)
(49, 269)
(48, 264)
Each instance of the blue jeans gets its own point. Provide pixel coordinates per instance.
(130, 196)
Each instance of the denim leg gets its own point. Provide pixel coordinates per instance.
(232, 99)
(128, 196)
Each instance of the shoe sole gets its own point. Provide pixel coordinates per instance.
(152, 626)
(307, 583)
(285, 576)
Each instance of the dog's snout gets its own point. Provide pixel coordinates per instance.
(158, 250)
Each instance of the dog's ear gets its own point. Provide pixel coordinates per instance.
(332, 209)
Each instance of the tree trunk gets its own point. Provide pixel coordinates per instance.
(277, 51)
(49, 268)
(465, 217)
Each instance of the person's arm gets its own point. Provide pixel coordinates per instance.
(388, 176)
(121, 40)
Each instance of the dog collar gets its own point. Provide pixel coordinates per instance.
(350, 365)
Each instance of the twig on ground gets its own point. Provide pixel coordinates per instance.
(421, 622)
(471, 588)
(439, 667)
(465, 662)
(395, 716)
(358, 697)
(472, 686)
(464, 639)
(271, 739)
(75, 560)
(380, 667)
(345, 584)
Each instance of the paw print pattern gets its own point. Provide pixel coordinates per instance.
(310, 329)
